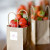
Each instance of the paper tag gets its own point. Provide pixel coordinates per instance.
(13, 35)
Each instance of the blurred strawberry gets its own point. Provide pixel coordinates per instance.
(13, 23)
(32, 17)
(22, 7)
(41, 3)
(46, 2)
(30, 4)
(19, 16)
(22, 22)
(45, 18)
(41, 13)
(24, 26)
(35, 18)
(29, 23)
(36, 9)
(9, 25)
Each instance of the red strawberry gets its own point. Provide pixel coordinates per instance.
(24, 26)
(36, 8)
(32, 17)
(41, 13)
(30, 4)
(22, 22)
(18, 16)
(46, 2)
(9, 25)
(45, 18)
(22, 7)
(29, 23)
(13, 23)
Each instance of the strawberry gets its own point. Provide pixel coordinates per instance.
(24, 26)
(41, 13)
(46, 2)
(9, 25)
(45, 18)
(18, 16)
(13, 23)
(22, 7)
(30, 4)
(29, 23)
(36, 8)
(22, 22)
(32, 17)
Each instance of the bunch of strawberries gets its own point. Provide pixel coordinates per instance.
(39, 14)
(22, 21)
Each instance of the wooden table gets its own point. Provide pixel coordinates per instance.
(38, 47)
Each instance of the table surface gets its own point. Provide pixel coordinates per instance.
(38, 47)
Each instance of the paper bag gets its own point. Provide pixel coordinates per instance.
(16, 37)
(43, 32)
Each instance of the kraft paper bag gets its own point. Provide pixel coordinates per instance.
(33, 31)
(16, 37)
(40, 29)
(40, 32)
(43, 32)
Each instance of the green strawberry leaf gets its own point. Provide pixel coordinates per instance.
(42, 13)
(22, 14)
(15, 20)
(39, 18)
(26, 18)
